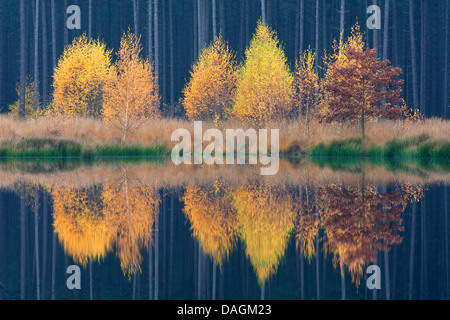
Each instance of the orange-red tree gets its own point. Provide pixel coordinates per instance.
(358, 86)
(210, 91)
(358, 222)
(131, 97)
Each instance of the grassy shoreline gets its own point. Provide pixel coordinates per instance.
(419, 148)
(61, 148)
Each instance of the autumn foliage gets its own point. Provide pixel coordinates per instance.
(30, 111)
(306, 86)
(131, 94)
(359, 222)
(359, 86)
(80, 78)
(82, 229)
(265, 85)
(265, 218)
(209, 93)
(212, 218)
(130, 209)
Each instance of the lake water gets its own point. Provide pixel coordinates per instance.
(157, 231)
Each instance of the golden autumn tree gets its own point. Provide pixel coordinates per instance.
(130, 207)
(80, 224)
(359, 86)
(131, 94)
(80, 78)
(306, 86)
(30, 112)
(212, 219)
(265, 84)
(308, 222)
(265, 218)
(209, 93)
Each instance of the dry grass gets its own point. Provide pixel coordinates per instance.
(292, 135)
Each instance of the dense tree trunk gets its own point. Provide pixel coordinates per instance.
(199, 26)
(157, 217)
(136, 16)
(44, 244)
(302, 26)
(90, 20)
(44, 55)
(36, 58)
(23, 244)
(446, 71)
(53, 9)
(222, 18)
(156, 40)
(36, 239)
(375, 35)
(317, 36)
(386, 30)
(172, 58)
(423, 59)
(413, 55)
(22, 60)
(66, 30)
(263, 11)
(214, 19)
(342, 21)
(54, 265)
(1, 56)
(412, 250)
(150, 32)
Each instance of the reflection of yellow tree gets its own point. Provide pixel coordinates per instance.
(80, 224)
(212, 220)
(358, 223)
(265, 219)
(130, 209)
(308, 223)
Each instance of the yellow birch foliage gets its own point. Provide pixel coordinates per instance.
(29, 102)
(265, 217)
(131, 94)
(130, 209)
(80, 225)
(212, 219)
(80, 77)
(265, 85)
(210, 91)
(306, 85)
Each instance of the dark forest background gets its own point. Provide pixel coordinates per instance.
(416, 37)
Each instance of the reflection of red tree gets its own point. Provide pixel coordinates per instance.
(358, 223)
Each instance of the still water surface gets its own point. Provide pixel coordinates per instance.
(157, 231)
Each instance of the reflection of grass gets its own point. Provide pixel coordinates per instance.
(420, 148)
(61, 148)
(61, 164)
(396, 164)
